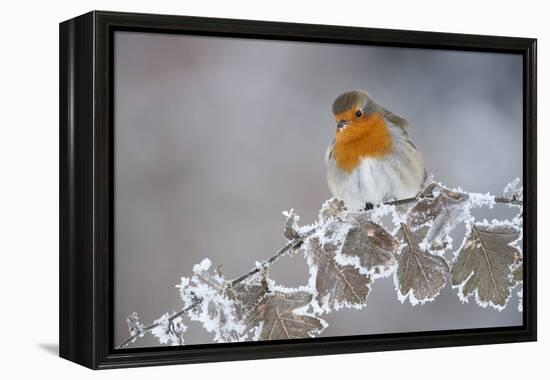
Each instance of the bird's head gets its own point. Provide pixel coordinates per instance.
(361, 129)
(356, 115)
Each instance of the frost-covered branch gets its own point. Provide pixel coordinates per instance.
(346, 251)
(138, 330)
(292, 245)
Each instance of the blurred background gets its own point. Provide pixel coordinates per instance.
(215, 137)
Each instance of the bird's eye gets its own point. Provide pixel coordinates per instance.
(358, 113)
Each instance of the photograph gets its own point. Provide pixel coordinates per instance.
(272, 190)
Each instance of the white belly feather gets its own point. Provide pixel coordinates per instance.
(399, 175)
(373, 181)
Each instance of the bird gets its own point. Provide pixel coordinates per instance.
(371, 159)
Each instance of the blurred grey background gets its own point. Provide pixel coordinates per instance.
(215, 137)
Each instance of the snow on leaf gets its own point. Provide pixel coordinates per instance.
(443, 208)
(520, 299)
(517, 274)
(208, 296)
(483, 266)
(169, 330)
(378, 213)
(420, 275)
(336, 285)
(274, 318)
(372, 244)
(513, 190)
(135, 327)
(249, 293)
(291, 230)
(331, 209)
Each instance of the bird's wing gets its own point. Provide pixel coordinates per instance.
(328, 153)
(402, 124)
(398, 121)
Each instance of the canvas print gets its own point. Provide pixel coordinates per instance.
(276, 190)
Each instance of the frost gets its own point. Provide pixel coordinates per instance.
(336, 285)
(331, 209)
(380, 211)
(288, 214)
(203, 266)
(484, 262)
(169, 330)
(346, 251)
(291, 230)
(369, 247)
(513, 190)
(279, 319)
(214, 304)
(480, 200)
(517, 276)
(135, 327)
(441, 210)
(420, 275)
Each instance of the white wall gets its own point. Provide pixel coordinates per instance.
(29, 186)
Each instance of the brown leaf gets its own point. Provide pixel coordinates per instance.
(332, 208)
(217, 304)
(278, 320)
(517, 275)
(290, 231)
(483, 265)
(444, 211)
(337, 285)
(371, 243)
(419, 273)
(248, 294)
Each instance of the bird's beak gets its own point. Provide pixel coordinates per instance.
(342, 124)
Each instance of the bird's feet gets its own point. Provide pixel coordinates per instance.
(368, 206)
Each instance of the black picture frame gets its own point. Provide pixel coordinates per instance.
(86, 189)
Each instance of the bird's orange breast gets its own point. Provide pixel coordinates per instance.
(365, 137)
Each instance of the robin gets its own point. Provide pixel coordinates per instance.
(371, 159)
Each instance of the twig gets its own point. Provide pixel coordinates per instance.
(293, 244)
(413, 199)
(401, 201)
(508, 200)
(150, 327)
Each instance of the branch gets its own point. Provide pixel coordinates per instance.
(500, 199)
(150, 327)
(508, 200)
(290, 246)
(280, 253)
